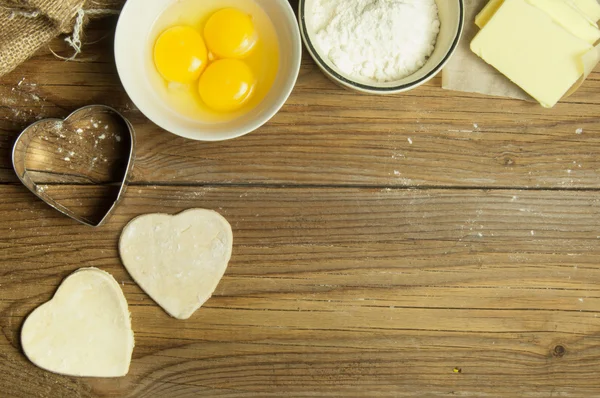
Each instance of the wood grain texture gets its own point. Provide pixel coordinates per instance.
(325, 135)
(420, 245)
(354, 292)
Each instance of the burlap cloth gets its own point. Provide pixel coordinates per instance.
(28, 25)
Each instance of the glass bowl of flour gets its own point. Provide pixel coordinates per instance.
(381, 46)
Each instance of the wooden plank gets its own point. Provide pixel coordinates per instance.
(325, 135)
(353, 292)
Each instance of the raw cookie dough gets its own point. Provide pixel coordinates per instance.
(178, 260)
(84, 330)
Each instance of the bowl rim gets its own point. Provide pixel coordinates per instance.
(257, 122)
(366, 87)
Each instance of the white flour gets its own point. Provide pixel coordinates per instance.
(376, 40)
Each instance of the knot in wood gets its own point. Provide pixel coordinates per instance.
(509, 161)
(559, 351)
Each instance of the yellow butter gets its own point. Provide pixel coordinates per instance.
(568, 13)
(487, 12)
(591, 8)
(569, 18)
(527, 46)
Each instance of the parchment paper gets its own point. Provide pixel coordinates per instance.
(469, 73)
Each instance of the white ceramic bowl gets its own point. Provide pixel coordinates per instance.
(452, 15)
(131, 51)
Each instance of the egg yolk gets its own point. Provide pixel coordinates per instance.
(230, 33)
(180, 54)
(226, 85)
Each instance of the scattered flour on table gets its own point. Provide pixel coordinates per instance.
(376, 40)
(23, 92)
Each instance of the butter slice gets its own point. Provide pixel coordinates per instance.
(527, 46)
(591, 8)
(487, 12)
(569, 18)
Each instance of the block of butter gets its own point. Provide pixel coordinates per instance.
(565, 12)
(488, 12)
(526, 45)
(569, 18)
(591, 8)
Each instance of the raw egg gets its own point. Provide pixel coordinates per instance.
(180, 54)
(226, 85)
(230, 33)
(213, 60)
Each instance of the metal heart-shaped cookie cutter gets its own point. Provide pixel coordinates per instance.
(20, 152)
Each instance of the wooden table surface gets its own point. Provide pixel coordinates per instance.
(427, 244)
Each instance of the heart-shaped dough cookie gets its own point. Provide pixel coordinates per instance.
(85, 330)
(178, 260)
